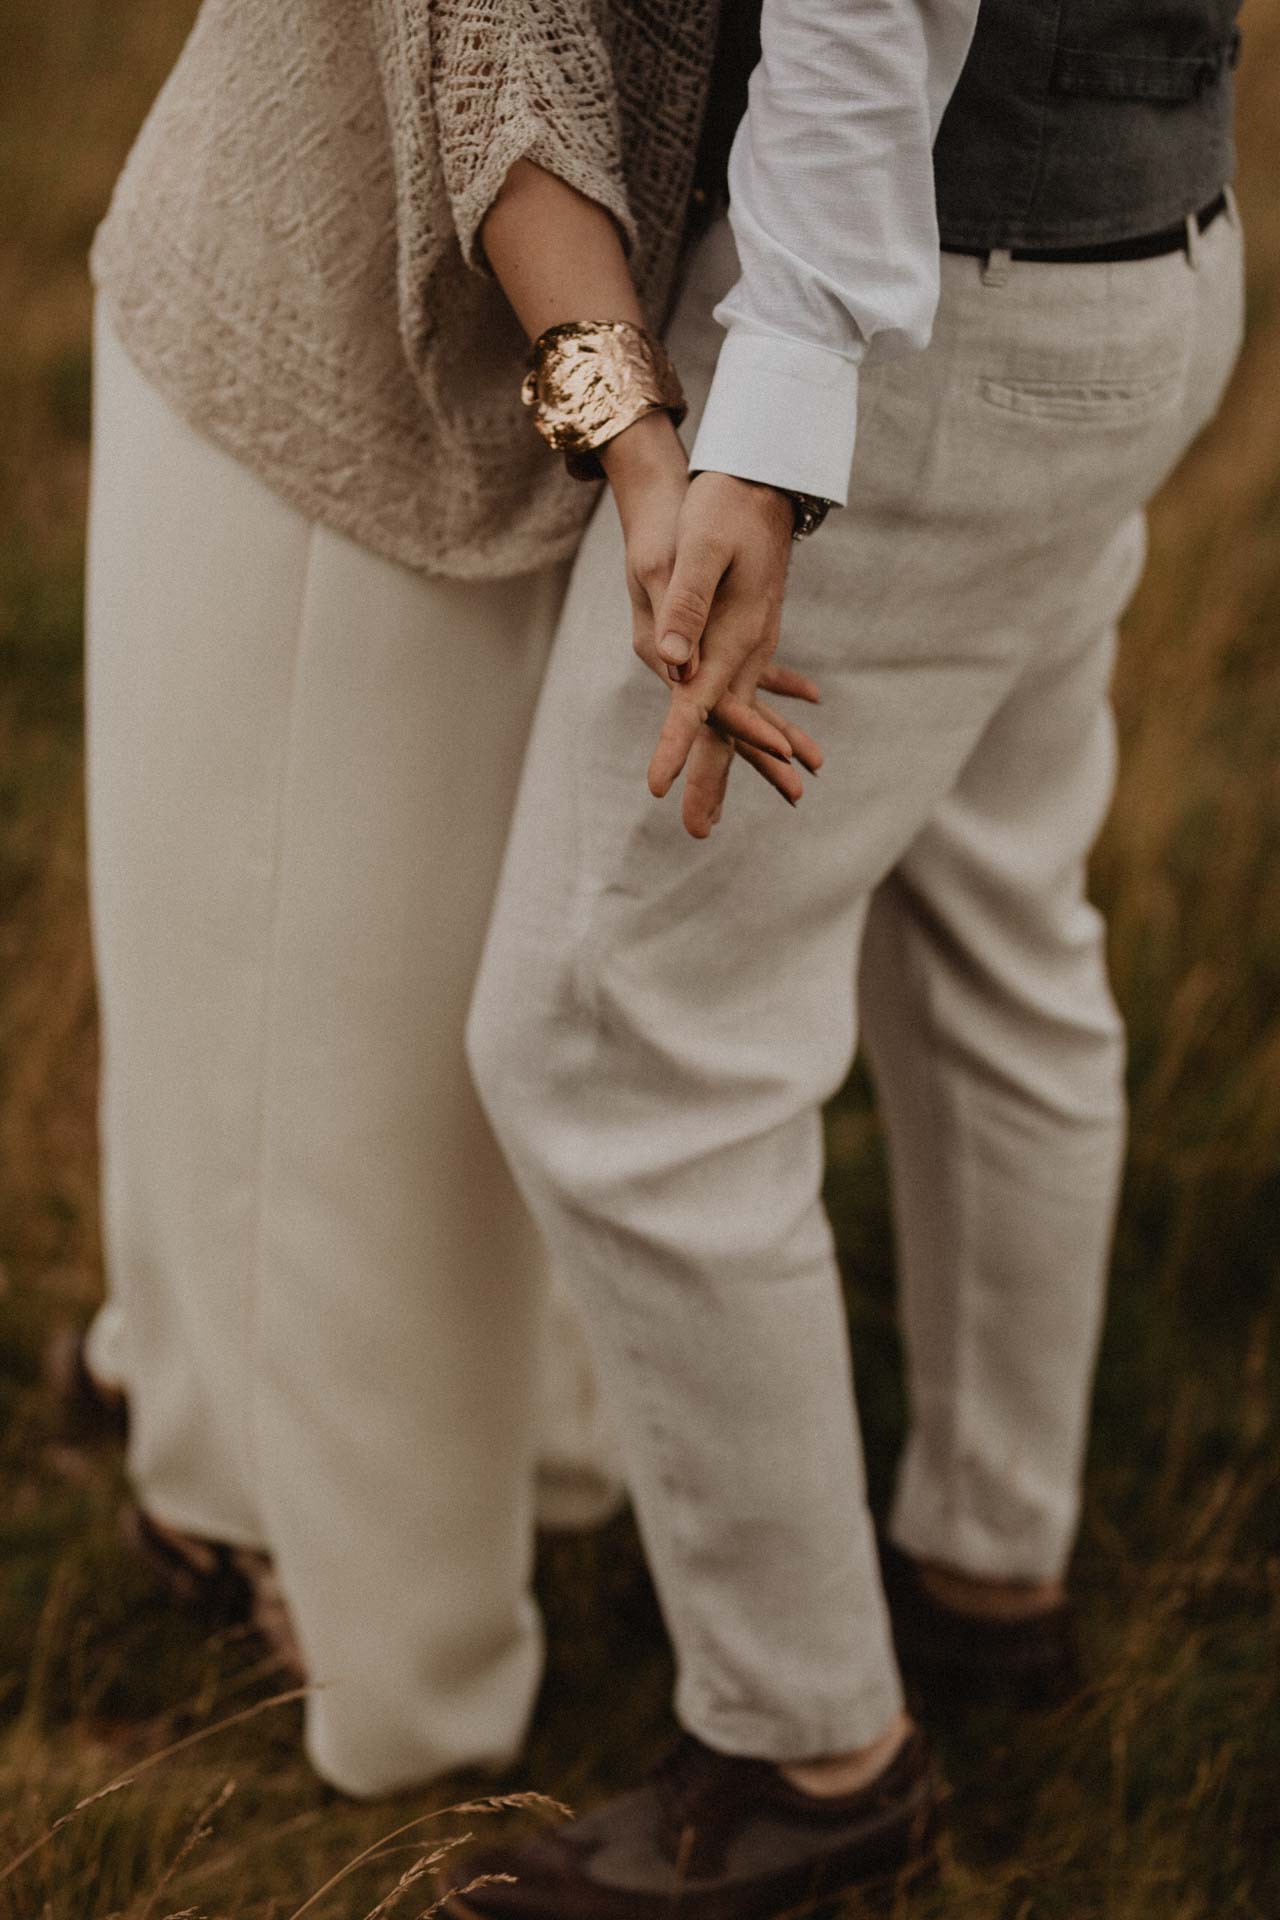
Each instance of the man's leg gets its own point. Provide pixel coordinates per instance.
(997, 1049)
(655, 1031)
(998, 1058)
(658, 1024)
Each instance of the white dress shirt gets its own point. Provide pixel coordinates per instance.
(832, 207)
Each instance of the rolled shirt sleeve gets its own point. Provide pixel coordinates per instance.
(832, 208)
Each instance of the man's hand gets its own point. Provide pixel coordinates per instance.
(680, 541)
(718, 628)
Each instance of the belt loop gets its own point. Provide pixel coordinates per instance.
(1193, 241)
(1233, 205)
(995, 268)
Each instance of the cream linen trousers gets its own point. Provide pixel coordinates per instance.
(326, 1300)
(659, 1021)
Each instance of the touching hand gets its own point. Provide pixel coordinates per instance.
(717, 628)
(648, 475)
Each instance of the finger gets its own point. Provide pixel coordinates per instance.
(686, 604)
(643, 642)
(791, 685)
(743, 718)
(785, 779)
(645, 645)
(735, 660)
(680, 728)
(802, 744)
(685, 719)
(678, 672)
(705, 782)
(779, 773)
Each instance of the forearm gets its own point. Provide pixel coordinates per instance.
(559, 256)
(556, 255)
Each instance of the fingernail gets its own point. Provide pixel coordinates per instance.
(674, 647)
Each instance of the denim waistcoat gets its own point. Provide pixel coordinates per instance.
(1083, 121)
(1075, 122)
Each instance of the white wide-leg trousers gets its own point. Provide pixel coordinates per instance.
(659, 1021)
(326, 1300)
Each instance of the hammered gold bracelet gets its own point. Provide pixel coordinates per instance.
(588, 380)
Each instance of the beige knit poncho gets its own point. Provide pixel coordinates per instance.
(290, 254)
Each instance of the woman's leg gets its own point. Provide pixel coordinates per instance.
(194, 575)
(301, 763)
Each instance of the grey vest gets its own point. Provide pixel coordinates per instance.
(1086, 121)
(1075, 122)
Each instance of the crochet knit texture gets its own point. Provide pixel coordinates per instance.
(291, 253)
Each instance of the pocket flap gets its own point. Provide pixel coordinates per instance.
(1141, 76)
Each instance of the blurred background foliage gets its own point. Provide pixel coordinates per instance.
(1154, 1795)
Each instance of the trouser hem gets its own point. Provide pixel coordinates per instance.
(379, 1781)
(835, 1726)
(367, 1754)
(567, 1501)
(107, 1371)
(201, 1525)
(967, 1546)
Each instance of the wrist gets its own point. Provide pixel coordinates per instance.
(765, 502)
(649, 481)
(805, 512)
(648, 450)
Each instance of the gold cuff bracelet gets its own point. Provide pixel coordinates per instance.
(588, 380)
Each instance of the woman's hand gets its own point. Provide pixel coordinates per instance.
(648, 475)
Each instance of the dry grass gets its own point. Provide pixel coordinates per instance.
(1151, 1799)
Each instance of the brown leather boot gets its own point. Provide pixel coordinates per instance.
(711, 1837)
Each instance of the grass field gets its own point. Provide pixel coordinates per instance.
(1154, 1795)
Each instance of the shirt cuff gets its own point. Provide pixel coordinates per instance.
(781, 411)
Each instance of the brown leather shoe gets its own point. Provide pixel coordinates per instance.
(962, 1659)
(228, 1586)
(94, 1410)
(710, 1837)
